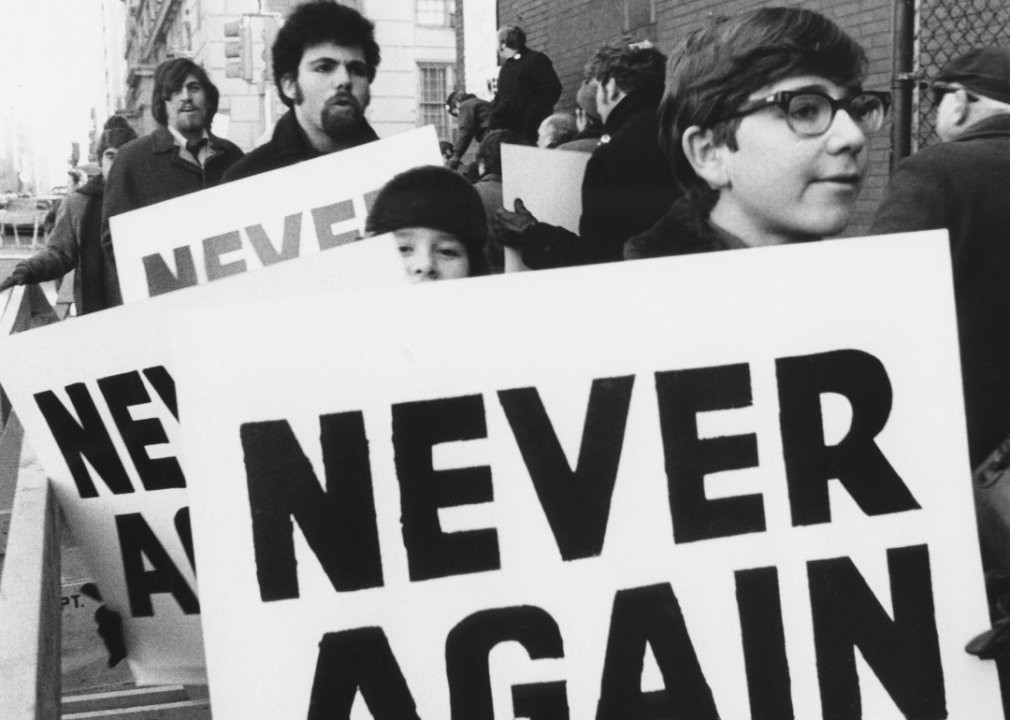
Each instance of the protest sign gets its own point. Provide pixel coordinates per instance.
(549, 184)
(258, 221)
(97, 399)
(727, 485)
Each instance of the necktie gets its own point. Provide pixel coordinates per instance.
(193, 148)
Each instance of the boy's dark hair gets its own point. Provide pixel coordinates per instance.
(513, 37)
(317, 21)
(116, 121)
(168, 80)
(716, 68)
(489, 150)
(634, 67)
(437, 198)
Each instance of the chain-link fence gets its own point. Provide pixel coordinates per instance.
(948, 28)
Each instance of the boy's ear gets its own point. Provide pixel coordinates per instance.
(707, 159)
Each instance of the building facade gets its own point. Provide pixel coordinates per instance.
(231, 40)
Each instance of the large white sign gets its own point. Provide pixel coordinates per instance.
(97, 399)
(550, 185)
(729, 485)
(262, 220)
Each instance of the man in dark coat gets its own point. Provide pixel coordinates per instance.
(75, 241)
(627, 185)
(528, 87)
(963, 184)
(472, 118)
(180, 157)
(324, 61)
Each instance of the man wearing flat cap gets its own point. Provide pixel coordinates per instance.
(963, 184)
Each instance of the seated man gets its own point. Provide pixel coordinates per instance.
(627, 185)
(765, 122)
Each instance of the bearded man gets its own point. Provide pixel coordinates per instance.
(179, 157)
(324, 62)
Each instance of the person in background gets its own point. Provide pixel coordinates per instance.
(766, 123)
(556, 130)
(179, 157)
(963, 184)
(438, 221)
(75, 242)
(527, 86)
(473, 116)
(447, 150)
(489, 187)
(627, 185)
(324, 61)
(587, 120)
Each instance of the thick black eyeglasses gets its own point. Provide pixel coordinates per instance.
(810, 113)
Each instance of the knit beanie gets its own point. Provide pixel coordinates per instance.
(437, 198)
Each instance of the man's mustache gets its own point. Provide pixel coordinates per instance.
(342, 98)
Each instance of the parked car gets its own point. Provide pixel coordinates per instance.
(26, 217)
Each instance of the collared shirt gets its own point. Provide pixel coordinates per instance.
(180, 141)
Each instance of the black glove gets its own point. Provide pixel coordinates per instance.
(17, 277)
(110, 626)
(510, 226)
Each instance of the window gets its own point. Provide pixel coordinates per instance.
(439, 13)
(639, 13)
(434, 81)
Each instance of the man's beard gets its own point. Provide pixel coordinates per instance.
(342, 114)
(192, 122)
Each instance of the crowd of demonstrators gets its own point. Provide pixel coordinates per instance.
(556, 129)
(324, 60)
(179, 157)
(473, 118)
(439, 223)
(527, 88)
(75, 242)
(963, 184)
(627, 184)
(587, 120)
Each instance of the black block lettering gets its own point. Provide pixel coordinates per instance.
(469, 645)
(904, 652)
(856, 461)
(90, 439)
(214, 248)
(121, 392)
(339, 524)
(764, 644)
(577, 504)
(290, 243)
(161, 280)
(185, 531)
(540, 701)
(417, 427)
(324, 219)
(682, 395)
(164, 385)
(359, 659)
(652, 615)
(136, 541)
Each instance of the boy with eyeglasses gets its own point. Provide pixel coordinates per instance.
(765, 122)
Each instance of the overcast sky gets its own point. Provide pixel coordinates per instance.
(51, 68)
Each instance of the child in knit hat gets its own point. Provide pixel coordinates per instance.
(438, 220)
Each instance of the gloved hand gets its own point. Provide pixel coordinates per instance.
(110, 626)
(512, 225)
(17, 277)
(454, 163)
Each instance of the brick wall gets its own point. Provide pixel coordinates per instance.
(569, 31)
